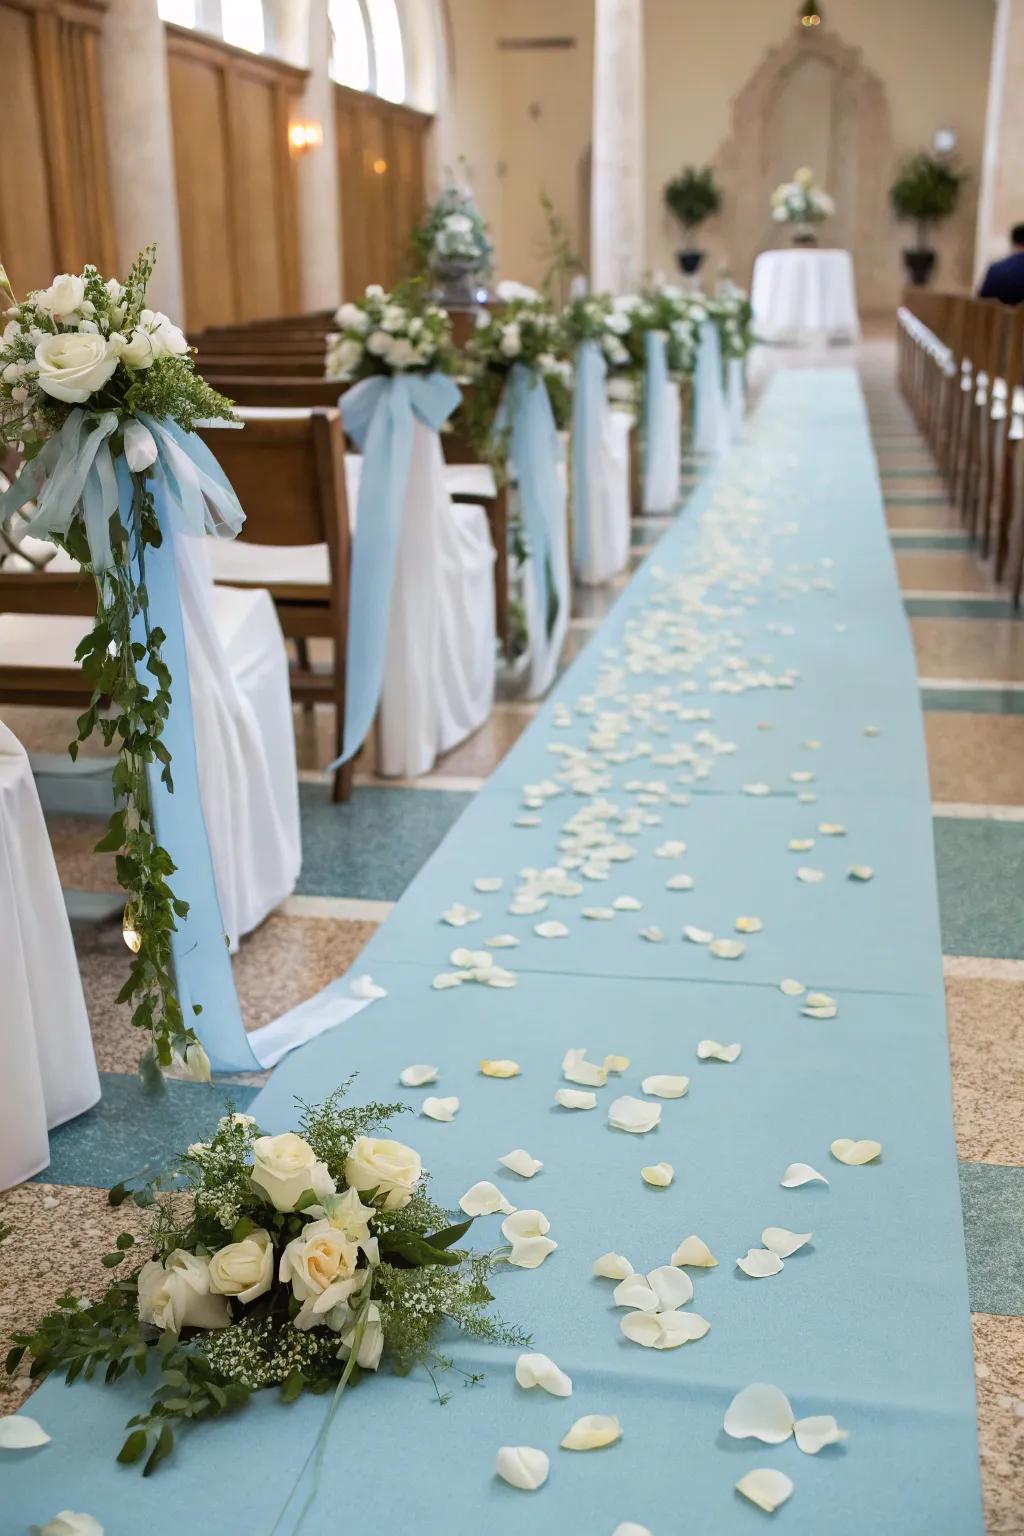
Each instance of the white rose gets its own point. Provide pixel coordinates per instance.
(351, 318)
(168, 338)
(114, 288)
(196, 1063)
(378, 343)
(63, 297)
(284, 1167)
(388, 1167)
(136, 352)
(244, 1269)
(88, 328)
(371, 1345)
(320, 1265)
(347, 355)
(140, 451)
(176, 1294)
(393, 318)
(511, 341)
(12, 330)
(68, 1523)
(12, 373)
(402, 354)
(374, 291)
(72, 366)
(508, 291)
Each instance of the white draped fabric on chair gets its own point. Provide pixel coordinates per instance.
(605, 549)
(712, 424)
(663, 454)
(47, 1068)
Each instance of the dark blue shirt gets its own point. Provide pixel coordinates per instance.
(1005, 280)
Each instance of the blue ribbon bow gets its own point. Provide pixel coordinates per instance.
(525, 413)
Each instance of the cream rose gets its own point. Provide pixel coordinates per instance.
(371, 1345)
(244, 1269)
(168, 339)
(72, 366)
(388, 1167)
(320, 1266)
(284, 1167)
(176, 1294)
(137, 350)
(64, 295)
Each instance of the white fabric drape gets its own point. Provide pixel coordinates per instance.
(47, 1067)
(663, 461)
(711, 425)
(439, 675)
(608, 515)
(735, 402)
(799, 294)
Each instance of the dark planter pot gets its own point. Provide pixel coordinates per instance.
(689, 261)
(919, 263)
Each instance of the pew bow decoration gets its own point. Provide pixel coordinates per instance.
(594, 330)
(100, 394)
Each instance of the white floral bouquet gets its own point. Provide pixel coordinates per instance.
(524, 331)
(732, 312)
(595, 317)
(388, 333)
(296, 1261)
(454, 235)
(669, 310)
(801, 202)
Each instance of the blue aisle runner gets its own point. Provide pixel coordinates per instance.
(768, 618)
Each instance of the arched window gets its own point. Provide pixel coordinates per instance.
(388, 52)
(368, 52)
(350, 53)
(242, 24)
(181, 12)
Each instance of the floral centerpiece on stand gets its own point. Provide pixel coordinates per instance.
(668, 311)
(453, 245)
(99, 393)
(524, 331)
(297, 1261)
(595, 317)
(385, 333)
(803, 204)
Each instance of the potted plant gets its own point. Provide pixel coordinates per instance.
(693, 197)
(925, 191)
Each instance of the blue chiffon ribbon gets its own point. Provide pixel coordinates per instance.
(709, 425)
(588, 423)
(379, 415)
(76, 470)
(525, 413)
(655, 421)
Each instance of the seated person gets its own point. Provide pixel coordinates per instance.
(1005, 279)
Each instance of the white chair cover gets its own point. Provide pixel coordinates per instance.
(664, 458)
(47, 1067)
(735, 403)
(439, 675)
(546, 649)
(607, 542)
(711, 426)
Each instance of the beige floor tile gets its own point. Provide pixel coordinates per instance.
(943, 570)
(923, 514)
(975, 759)
(990, 649)
(986, 1049)
(74, 839)
(999, 1369)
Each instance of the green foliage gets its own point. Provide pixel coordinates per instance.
(560, 259)
(692, 196)
(925, 191)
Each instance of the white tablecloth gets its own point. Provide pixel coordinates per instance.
(47, 1068)
(803, 293)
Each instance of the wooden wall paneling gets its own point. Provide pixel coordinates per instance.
(381, 148)
(205, 212)
(350, 193)
(28, 246)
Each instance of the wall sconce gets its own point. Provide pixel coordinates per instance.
(380, 167)
(303, 136)
(810, 15)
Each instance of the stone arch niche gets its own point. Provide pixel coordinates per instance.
(812, 101)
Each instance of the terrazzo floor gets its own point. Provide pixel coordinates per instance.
(358, 859)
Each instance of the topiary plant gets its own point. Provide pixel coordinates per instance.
(692, 196)
(925, 191)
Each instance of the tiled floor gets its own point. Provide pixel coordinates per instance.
(359, 857)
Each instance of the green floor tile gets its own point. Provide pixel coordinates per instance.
(993, 1205)
(967, 607)
(372, 847)
(981, 881)
(975, 701)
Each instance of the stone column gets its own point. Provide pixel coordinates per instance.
(617, 257)
(1001, 201)
(303, 36)
(137, 112)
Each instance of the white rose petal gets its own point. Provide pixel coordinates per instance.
(766, 1488)
(792, 988)
(573, 1098)
(810, 876)
(366, 987)
(446, 979)
(801, 844)
(598, 914)
(697, 935)
(551, 930)
(501, 1068)
(523, 1466)
(440, 1109)
(860, 872)
(477, 959)
(630, 1528)
(757, 789)
(695, 1253)
(825, 1011)
(627, 904)
(711, 1050)
(417, 1076)
(519, 1161)
(831, 829)
(483, 1199)
(525, 1224)
(664, 1087)
(784, 1242)
(759, 1263)
(612, 1266)
(19, 1433)
(658, 1174)
(663, 1330)
(855, 1153)
(670, 850)
(727, 949)
(759, 1412)
(541, 1371)
(592, 1432)
(70, 1523)
(633, 1115)
(502, 941)
(487, 883)
(616, 1063)
(748, 925)
(814, 1433)
(458, 915)
(801, 1173)
(679, 883)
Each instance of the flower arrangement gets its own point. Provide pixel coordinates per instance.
(669, 310)
(801, 202)
(296, 1261)
(525, 331)
(388, 333)
(453, 237)
(92, 378)
(732, 312)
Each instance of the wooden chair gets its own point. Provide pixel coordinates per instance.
(288, 471)
(977, 485)
(1004, 357)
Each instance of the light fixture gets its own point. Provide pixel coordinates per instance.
(944, 141)
(303, 136)
(810, 14)
(379, 167)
